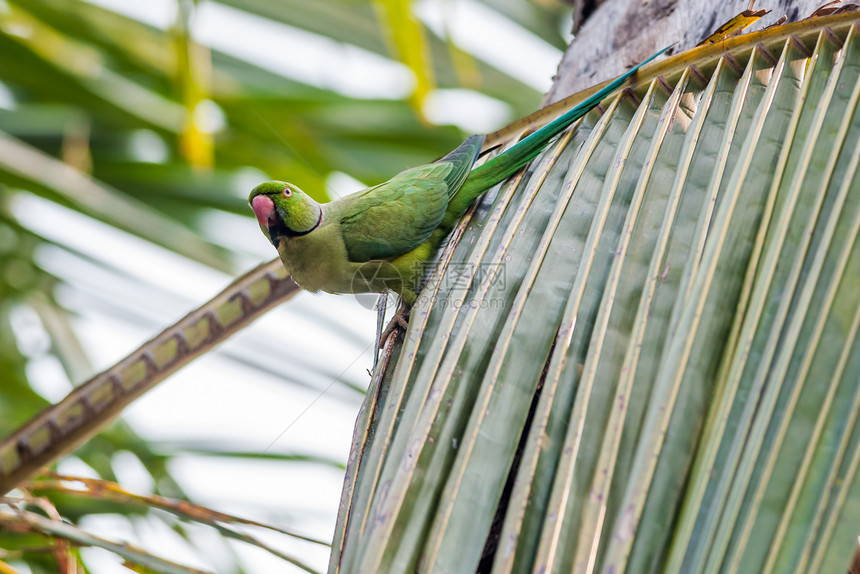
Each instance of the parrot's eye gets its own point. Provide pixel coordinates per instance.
(287, 192)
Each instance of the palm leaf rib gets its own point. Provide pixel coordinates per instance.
(60, 428)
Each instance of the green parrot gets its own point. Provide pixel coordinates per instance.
(382, 238)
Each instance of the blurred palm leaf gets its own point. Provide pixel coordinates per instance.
(113, 119)
(407, 37)
(643, 355)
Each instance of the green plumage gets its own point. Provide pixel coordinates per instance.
(382, 238)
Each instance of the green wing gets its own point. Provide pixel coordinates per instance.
(462, 158)
(397, 216)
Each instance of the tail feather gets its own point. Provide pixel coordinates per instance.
(507, 163)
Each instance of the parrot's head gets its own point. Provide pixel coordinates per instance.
(284, 210)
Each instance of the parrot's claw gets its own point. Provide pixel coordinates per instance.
(400, 320)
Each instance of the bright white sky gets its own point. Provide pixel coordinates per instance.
(219, 400)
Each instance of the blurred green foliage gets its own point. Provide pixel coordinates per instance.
(113, 118)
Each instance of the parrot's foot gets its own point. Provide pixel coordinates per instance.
(400, 320)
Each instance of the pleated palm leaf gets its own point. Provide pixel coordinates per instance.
(642, 354)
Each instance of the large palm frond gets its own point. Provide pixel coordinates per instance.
(642, 355)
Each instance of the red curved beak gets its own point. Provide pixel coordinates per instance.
(264, 209)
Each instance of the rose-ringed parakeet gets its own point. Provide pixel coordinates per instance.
(381, 239)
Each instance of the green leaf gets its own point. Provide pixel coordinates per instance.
(667, 378)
